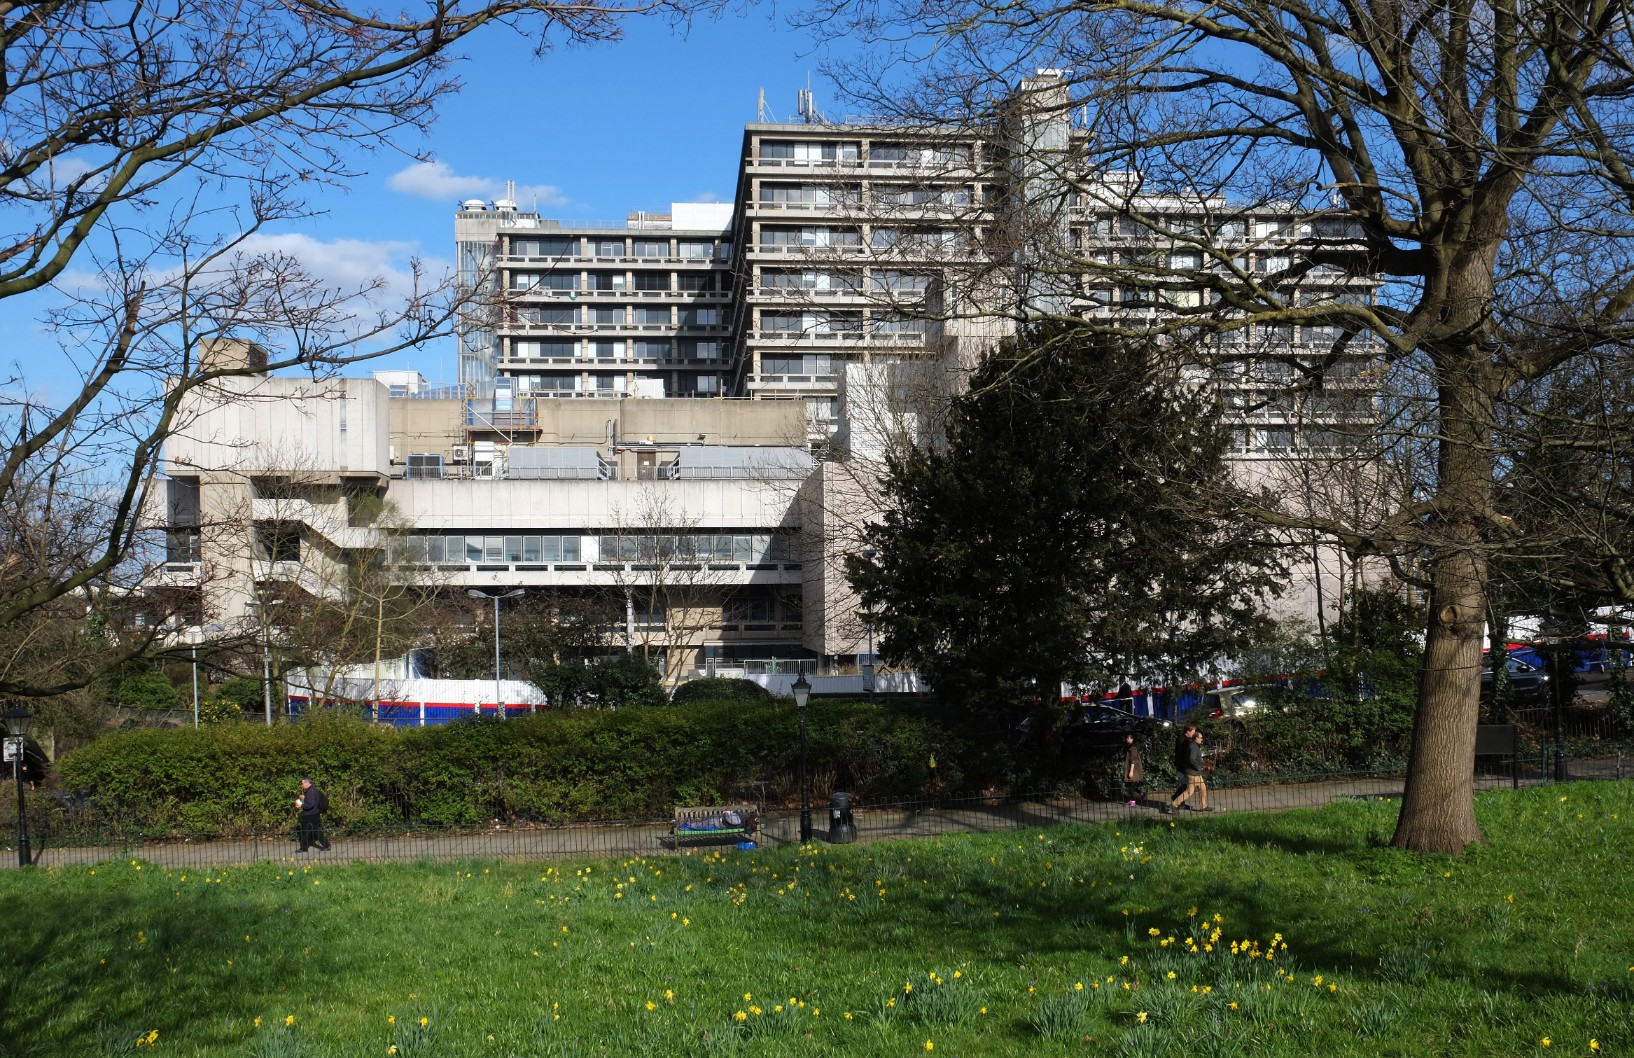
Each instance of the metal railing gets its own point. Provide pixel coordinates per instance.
(881, 821)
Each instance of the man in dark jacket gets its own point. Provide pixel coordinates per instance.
(313, 802)
(1188, 761)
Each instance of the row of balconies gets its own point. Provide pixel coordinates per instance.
(578, 363)
(951, 168)
(858, 337)
(583, 293)
(706, 330)
(689, 264)
(612, 574)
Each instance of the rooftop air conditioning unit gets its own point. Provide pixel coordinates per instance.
(424, 465)
(462, 453)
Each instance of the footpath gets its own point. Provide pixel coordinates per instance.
(779, 827)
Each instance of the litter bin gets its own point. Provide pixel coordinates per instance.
(842, 829)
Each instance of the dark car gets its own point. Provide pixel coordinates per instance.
(1095, 727)
(1529, 684)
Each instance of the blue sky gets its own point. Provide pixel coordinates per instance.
(587, 133)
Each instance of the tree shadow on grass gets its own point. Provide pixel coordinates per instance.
(82, 966)
(1379, 932)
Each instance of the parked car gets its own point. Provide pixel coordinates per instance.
(1529, 684)
(1097, 727)
(1238, 701)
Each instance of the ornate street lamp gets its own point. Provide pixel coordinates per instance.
(478, 593)
(17, 719)
(802, 694)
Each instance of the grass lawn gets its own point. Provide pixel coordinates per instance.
(1291, 934)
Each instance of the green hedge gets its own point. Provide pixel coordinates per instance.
(555, 766)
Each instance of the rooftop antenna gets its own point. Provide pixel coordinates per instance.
(761, 109)
(807, 107)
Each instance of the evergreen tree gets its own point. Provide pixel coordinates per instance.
(1076, 523)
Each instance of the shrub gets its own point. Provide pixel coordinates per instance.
(229, 778)
(243, 692)
(144, 687)
(720, 689)
(554, 766)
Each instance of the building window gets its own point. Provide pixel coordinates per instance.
(649, 316)
(553, 315)
(652, 248)
(696, 249)
(699, 349)
(809, 153)
(607, 350)
(610, 248)
(696, 282)
(652, 280)
(182, 545)
(813, 195)
(544, 280)
(548, 246)
(908, 195)
(815, 237)
(533, 349)
(894, 282)
(607, 314)
(895, 323)
(279, 542)
(652, 350)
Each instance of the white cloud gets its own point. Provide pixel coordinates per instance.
(439, 182)
(345, 263)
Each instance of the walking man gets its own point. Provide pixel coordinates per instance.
(313, 803)
(1188, 761)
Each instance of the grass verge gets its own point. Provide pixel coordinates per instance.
(1290, 934)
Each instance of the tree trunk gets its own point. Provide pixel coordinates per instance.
(1438, 806)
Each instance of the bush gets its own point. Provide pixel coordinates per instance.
(230, 778)
(144, 687)
(552, 767)
(245, 693)
(720, 689)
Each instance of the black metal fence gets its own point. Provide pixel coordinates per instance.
(58, 846)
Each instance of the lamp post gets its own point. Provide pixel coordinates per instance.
(478, 593)
(1555, 640)
(802, 694)
(868, 554)
(266, 656)
(194, 636)
(17, 719)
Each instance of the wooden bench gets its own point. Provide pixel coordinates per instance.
(709, 825)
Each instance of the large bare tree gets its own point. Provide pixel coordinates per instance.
(1478, 159)
(144, 147)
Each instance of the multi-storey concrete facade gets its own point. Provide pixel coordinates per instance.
(642, 308)
(859, 266)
